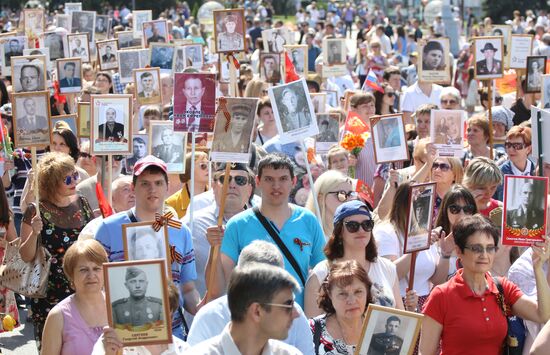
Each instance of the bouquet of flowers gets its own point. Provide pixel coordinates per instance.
(356, 134)
(5, 141)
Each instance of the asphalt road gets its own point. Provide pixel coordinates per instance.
(19, 341)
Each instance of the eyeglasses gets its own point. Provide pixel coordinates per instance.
(70, 178)
(390, 94)
(85, 155)
(441, 166)
(342, 195)
(353, 226)
(480, 249)
(239, 180)
(455, 209)
(203, 166)
(449, 102)
(516, 146)
(289, 305)
(115, 157)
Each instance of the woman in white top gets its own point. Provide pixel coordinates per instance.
(352, 240)
(431, 269)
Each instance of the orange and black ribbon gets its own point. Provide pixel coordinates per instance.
(232, 58)
(223, 106)
(166, 219)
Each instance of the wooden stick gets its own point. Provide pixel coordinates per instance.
(412, 270)
(35, 189)
(232, 79)
(311, 187)
(215, 251)
(110, 180)
(489, 106)
(192, 188)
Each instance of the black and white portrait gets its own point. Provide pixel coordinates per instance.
(232, 137)
(162, 56)
(488, 57)
(107, 54)
(138, 18)
(270, 67)
(126, 39)
(229, 30)
(111, 124)
(12, 47)
(388, 133)
(70, 75)
(29, 73)
(141, 242)
(298, 56)
(293, 110)
(275, 39)
(328, 132)
(435, 62)
(536, 68)
(167, 145)
(447, 131)
(147, 84)
(193, 56)
(420, 212)
(129, 60)
(155, 32)
(334, 51)
(179, 63)
(140, 144)
(79, 46)
(83, 22)
(31, 119)
(101, 27)
(55, 42)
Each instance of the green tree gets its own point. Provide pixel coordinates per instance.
(501, 10)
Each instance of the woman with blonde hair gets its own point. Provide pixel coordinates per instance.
(332, 188)
(255, 88)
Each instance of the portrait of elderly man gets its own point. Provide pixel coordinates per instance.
(111, 130)
(237, 137)
(31, 78)
(230, 39)
(166, 150)
(489, 65)
(137, 309)
(292, 113)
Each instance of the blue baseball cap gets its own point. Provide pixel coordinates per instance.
(350, 208)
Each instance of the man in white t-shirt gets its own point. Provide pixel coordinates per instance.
(418, 94)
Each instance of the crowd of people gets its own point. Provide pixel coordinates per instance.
(290, 252)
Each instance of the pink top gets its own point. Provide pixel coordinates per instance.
(78, 337)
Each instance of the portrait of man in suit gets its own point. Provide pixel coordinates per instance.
(156, 33)
(293, 115)
(111, 130)
(194, 110)
(12, 49)
(32, 122)
(139, 150)
(528, 213)
(108, 56)
(270, 69)
(149, 88)
(83, 22)
(69, 76)
(166, 150)
(489, 65)
(237, 137)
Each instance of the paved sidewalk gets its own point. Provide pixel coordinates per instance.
(19, 341)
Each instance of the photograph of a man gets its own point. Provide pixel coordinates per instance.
(535, 70)
(293, 113)
(237, 137)
(139, 150)
(108, 55)
(270, 68)
(12, 48)
(101, 25)
(162, 57)
(276, 40)
(297, 58)
(230, 38)
(112, 130)
(129, 60)
(148, 87)
(328, 130)
(69, 76)
(193, 56)
(78, 49)
(158, 32)
(145, 244)
(387, 343)
(528, 213)
(137, 309)
(194, 110)
(54, 42)
(388, 133)
(433, 56)
(489, 65)
(83, 22)
(32, 122)
(334, 55)
(165, 149)
(31, 78)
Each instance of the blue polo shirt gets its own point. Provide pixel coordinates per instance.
(109, 234)
(301, 233)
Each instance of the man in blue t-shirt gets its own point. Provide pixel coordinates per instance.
(150, 185)
(297, 227)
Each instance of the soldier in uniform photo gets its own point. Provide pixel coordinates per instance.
(108, 57)
(79, 50)
(326, 134)
(237, 137)
(144, 245)
(12, 49)
(293, 117)
(387, 343)
(230, 40)
(167, 151)
(111, 131)
(137, 309)
(529, 214)
(489, 65)
(192, 56)
(448, 131)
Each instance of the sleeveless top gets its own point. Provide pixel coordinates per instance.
(78, 337)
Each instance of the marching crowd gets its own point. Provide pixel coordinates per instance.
(267, 260)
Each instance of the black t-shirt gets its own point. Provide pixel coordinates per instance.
(522, 113)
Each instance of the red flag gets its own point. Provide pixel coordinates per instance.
(365, 192)
(354, 124)
(290, 71)
(104, 207)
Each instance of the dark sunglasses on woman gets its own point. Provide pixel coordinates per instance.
(468, 209)
(353, 226)
(441, 166)
(70, 178)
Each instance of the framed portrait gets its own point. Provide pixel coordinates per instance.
(382, 323)
(147, 86)
(332, 98)
(229, 31)
(149, 321)
(141, 242)
(545, 91)
(195, 110)
(35, 22)
(101, 27)
(83, 22)
(329, 125)
(126, 39)
(525, 206)
(223, 66)
(293, 110)
(506, 32)
(79, 46)
(111, 124)
(179, 61)
(520, 48)
(435, 63)
(139, 17)
(106, 54)
(11, 46)
(31, 119)
(419, 217)
(193, 56)
(70, 7)
(40, 51)
(154, 32)
(70, 120)
(334, 51)
(167, 145)
(140, 144)
(83, 120)
(299, 58)
(63, 21)
(270, 67)
(536, 68)
(57, 44)
(275, 39)
(388, 137)
(447, 132)
(488, 57)
(319, 101)
(232, 136)
(29, 73)
(162, 56)
(69, 74)
(128, 59)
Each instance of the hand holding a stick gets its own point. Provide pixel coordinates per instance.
(411, 301)
(214, 235)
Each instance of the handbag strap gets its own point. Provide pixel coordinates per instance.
(500, 296)
(277, 239)
(316, 334)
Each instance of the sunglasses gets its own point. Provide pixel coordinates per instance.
(342, 195)
(390, 94)
(479, 249)
(455, 209)
(239, 180)
(516, 146)
(70, 178)
(85, 155)
(289, 305)
(441, 166)
(353, 227)
(449, 102)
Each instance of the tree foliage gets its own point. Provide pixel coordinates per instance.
(502, 10)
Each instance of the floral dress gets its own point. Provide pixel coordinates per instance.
(62, 226)
(8, 305)
(327, 344)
